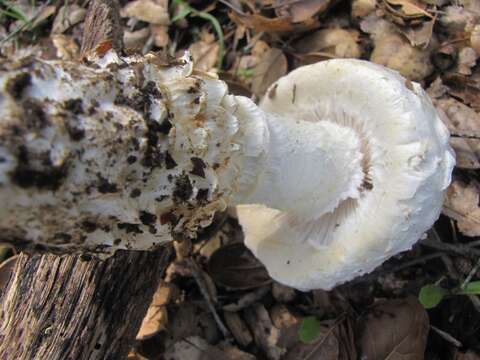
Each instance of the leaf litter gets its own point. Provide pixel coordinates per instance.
(217, 301)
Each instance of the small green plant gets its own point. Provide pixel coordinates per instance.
(184, 10)
(431, 295)
(310, 329)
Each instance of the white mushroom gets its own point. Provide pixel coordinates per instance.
(355, 172)
(342, 166)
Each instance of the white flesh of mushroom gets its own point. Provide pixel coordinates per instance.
(358, 161)
(343, 165)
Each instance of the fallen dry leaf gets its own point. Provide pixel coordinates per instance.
(325, 347)
(467, 59)
(301, 10)
(362, 8)
(394, 330)
(238, 328)
(234, 267)
(419, 35)
(467, 152)
(149, 11)
(160, 35)
(346, 340)
(157, 318)
(261, 23)
(135, 40)
(265, 334)
(273, 65)
(407, 9)
(188, 319)
(456, 18)
(205, 52)
(461, 120)
(65, 46)
(391, 49)
(469, 355)
(338, 43)
(68, 16)
(462, 204)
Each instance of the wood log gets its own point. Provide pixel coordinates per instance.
(77, 307)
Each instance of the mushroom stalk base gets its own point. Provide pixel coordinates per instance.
(310, 167)
(68, 308)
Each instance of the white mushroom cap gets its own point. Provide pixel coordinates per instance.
(407, 165)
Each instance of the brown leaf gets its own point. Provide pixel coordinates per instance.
(235, 86)
(419, 35)
(272, 66)
(467, 152)
(156, 318)
(394, 330)
(465, 88)
(265, 334)
(338, 43)
(462, 204)
(68, 16)
(160, 35)
(261, 23)
(205, 52)
(469, 355)
(66, 47)
(460, 119)
(407, 8)
(234, 266)
(346, 340)
(238, 328)
(149, 11)
(301, 10)
(135, 40)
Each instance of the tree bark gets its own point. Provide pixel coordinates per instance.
(70, 307)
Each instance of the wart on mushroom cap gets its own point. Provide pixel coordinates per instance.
(354, 173)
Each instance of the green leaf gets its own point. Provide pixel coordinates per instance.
(310, 329)
(472, 288)
(431, 295)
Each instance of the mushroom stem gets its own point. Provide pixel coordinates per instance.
(309, 168)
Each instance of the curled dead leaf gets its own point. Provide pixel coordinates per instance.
(149, 11)
(205, 52)
(391, 49)
(335, 43)
(234, 267)
(261, 23)
(462, 204)
(68, 16)
(467, 152)
(157, 318)
(301, 10)
(407, 9)
(272, 66)
(394, 329)
(265, 334)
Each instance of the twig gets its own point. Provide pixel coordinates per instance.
(446, 336)
(197, 275)
(433, 241)
(470, 274)
(450, 268)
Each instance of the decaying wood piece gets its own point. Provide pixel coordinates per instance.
(73, 308)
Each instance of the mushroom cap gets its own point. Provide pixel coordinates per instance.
(407, 163)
